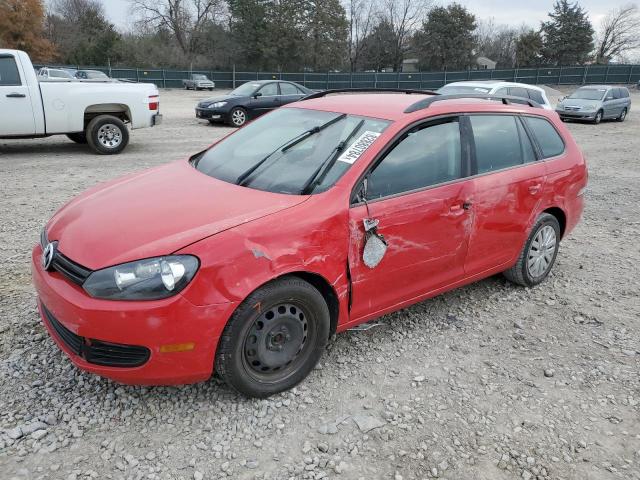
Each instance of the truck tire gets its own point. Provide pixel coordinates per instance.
(107, 135)
(78, 137)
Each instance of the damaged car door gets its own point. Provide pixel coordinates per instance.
(414, 199)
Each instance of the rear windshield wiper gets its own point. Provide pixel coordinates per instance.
(323, 169)
(244, 176)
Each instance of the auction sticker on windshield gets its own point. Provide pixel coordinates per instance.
(358, 147)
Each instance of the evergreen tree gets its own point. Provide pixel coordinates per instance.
(568, 35)
(529, 49)
(446, 40)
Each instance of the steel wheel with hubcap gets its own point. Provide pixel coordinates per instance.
(539, 253)
(274, 338)
(238, 117)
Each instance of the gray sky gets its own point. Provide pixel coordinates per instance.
(511, 12)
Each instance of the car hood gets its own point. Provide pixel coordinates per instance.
(223, 98)
(577, 102)
(155, 212)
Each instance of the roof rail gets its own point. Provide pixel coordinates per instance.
(505, 99)
(324, 93)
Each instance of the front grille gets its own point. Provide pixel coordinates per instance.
(573, 109)
(73, 271)
(98, 352)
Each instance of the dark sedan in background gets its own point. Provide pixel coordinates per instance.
(250, 100)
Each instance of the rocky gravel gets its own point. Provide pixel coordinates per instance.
(491, 381)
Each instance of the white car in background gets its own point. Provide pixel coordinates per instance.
(494, 87)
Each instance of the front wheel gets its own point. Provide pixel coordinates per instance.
(539, 253)
(107, 135)
(599, 117)
(238, 117)
(274, 338)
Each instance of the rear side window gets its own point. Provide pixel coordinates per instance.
(500, 142)
(546, 135)
(625, 93)
(423, 157)
(617, 93)
(9, 75)
(518, 92)
(536, 96)
(288, 89)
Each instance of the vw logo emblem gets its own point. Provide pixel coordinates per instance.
(47, 255)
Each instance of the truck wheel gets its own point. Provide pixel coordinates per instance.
(78, 137)
(107, 135)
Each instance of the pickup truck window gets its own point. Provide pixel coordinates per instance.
(9, 75)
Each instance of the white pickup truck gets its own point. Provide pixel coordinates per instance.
(87, 112)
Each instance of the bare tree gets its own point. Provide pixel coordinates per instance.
(497, 42)
(404, 16)
(186, 19)
(361, 17)
(619, 33)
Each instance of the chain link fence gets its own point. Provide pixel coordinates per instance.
(576, 75)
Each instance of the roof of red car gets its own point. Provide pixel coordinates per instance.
(391, 106)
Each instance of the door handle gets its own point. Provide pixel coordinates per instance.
(458, 207)
(533, 189)
(16, 95)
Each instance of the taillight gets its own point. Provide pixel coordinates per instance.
(154, 102)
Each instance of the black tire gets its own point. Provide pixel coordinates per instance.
(211, 89)
(78, 137)
(98, 135)
(238, 117)
(599, 117)
(521, 273)
(623, 116)
(288, 314)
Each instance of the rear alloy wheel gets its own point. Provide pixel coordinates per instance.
(623, 116)
(107, 135)
(238, 117)
(539, 253)
(274, 339)
(599, 117)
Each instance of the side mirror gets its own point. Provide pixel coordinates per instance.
(256, 95)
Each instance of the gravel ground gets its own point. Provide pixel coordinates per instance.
(491, 381)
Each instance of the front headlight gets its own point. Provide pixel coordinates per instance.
(218, 104)
(149, 279)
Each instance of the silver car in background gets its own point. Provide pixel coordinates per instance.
(595, 103)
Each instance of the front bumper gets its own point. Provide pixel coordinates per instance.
(576, 115)
(155, 325)
(210, 114)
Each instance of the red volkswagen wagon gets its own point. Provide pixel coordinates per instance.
(245, 258)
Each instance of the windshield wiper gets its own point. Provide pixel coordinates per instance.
(324, 168)
(244, 176)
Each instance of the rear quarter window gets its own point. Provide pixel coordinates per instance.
(546, 135)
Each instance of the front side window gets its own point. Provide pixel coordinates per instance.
(269, 90)
(423, 157)
(9, 75)
(284, 152)
(546, 135)
(500, 142)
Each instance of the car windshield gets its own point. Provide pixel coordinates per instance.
(305, 150)
(200, 77)
(245, 89)
(588, 94)
(461, 89)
